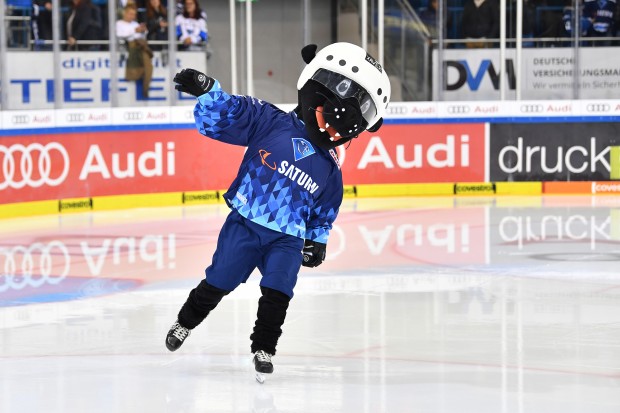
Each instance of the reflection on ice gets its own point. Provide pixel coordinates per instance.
(497, 305)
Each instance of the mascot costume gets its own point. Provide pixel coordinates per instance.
(288, 190)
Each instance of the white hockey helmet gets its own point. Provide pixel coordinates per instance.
(348, 71)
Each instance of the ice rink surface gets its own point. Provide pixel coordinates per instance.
(485, 305)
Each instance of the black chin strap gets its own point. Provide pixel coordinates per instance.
(351, 140)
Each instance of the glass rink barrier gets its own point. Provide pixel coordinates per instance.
(433, 50)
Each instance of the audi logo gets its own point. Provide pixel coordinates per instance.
(132, 115)
(397, 110)
(532, 108)
(20, 119)
(75, 117)
(30, 174)
(598, 107)
(458, 109)
(33, 265)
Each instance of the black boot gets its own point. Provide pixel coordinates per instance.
(197, 307)
(176, 336)
(262, 362)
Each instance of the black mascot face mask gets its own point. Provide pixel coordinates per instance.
(342, 92)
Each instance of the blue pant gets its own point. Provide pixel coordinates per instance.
(244, 245)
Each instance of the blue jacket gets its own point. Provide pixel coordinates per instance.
(602, 13)
(284, 182)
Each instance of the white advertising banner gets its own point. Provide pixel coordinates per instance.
(546, 74)
(85, 80)
(547, 109)
(423, 111)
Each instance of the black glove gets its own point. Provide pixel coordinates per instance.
(193, 82)
(314, 253)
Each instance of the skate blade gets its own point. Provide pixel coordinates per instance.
(260, 377)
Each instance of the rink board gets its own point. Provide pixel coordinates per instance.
(106, 159)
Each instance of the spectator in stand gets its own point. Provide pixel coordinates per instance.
(156, 22)
(191, 27)
(41, 23)
(568, 21)
(42, 28)
(428, 16)
(139, 66)
(601, 13)
(140, 6)
(480, 21)
(20, 11)
(102, 8)
(84, 23)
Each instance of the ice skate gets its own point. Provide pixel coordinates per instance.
(262, 365)
(176, 336)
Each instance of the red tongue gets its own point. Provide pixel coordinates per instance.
(321, 122)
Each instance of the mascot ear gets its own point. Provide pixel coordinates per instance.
(308, 52)
(376, 126)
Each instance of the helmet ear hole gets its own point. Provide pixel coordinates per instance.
(308, 52)
(376, 126)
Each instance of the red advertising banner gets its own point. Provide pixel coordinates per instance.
(416, 153)
(87, 164)
(71, 165)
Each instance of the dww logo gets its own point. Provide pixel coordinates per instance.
(466, 74)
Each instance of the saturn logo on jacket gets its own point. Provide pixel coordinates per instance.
(263, 158)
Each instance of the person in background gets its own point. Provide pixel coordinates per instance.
(480, 21)
(156, 22)
(428, 16)
(102, 8)
(191, 27)
(139, 64)
(84, 23)
(568, 21)
(20, 11)
(601, 13)
(41, 23)
(140, 6)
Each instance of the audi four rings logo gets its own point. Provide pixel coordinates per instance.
(598, 107)
(20, 119)
(458, 109)
(132, 115)
(32, 265)
(397, 110)
(75, 117)
(532, 108)
(23, 157)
